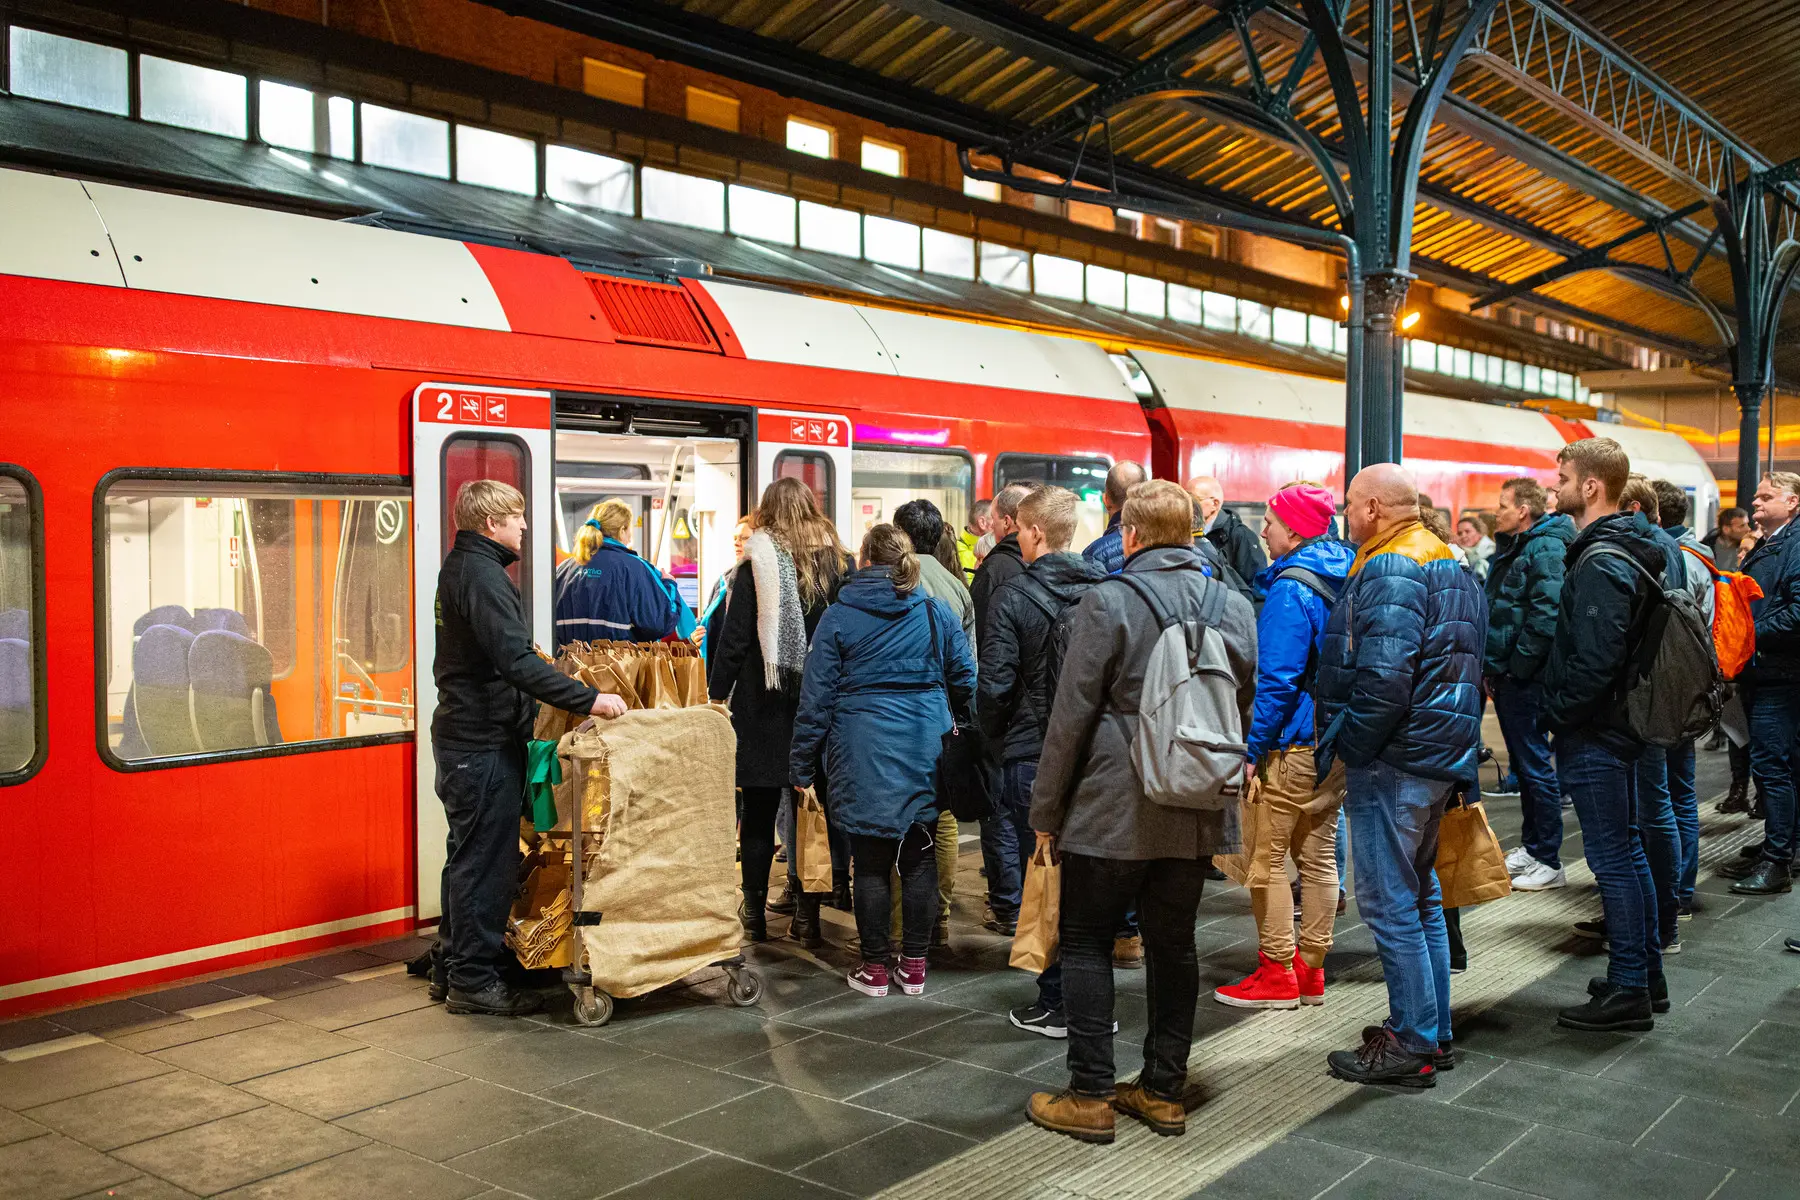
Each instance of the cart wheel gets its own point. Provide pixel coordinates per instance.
(745, 987)
(592, 1006)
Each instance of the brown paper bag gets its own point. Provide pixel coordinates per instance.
(1471, 867)
(1037, 939)
(813, 863)
(1253, 819)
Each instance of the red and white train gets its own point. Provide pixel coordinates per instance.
(228, 440)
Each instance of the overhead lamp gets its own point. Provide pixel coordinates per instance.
(1344, 302)
(1410, 319)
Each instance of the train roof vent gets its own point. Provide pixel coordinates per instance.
(652, 314)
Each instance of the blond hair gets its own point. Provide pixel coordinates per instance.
(1053, 511)
(1160, 512)
(1436, 523)
(1784, 481)
(1599, 458)
(888, 546)
(608, 519)
(1638, 491)
(790, 515)
(482, 500)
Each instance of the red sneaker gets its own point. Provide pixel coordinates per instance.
(1271, 985)
(871, 979)
(1312, 981)
(911, 976)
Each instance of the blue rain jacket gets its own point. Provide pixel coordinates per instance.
(617, 596)
(875, 703)
(1399, 677)
(1289, 630)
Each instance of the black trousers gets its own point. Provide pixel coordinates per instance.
(1096, 895)
(756, 837)
(483, 795)
(874, 860)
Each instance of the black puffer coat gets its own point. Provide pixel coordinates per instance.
(1013, 692)
(763, 718)
(1002, 563)
(1241, 548)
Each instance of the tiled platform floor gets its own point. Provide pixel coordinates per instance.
(336, 1077)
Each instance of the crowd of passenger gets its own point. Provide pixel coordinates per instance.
(1122, 710)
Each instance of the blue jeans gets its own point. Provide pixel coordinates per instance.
(1661, 838)
(1774, 711)
(1518, 706)
(1003, 850)
(1686, 803)
(1604, 786)
(1394, 835)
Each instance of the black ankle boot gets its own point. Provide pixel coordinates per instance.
(1659, 991)
(1765, 878)
(783, 905)
(1614, 1010)
(750, 913)
(805, 926)
(840, 896)
(1737, 800)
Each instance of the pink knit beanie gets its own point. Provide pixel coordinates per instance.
(1303, 508)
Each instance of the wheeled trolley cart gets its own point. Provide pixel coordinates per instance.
(651, 852)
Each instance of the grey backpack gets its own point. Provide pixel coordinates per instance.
(1189, 749)
(1672, 690)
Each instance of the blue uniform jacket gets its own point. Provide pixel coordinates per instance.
(875, 701)
(617, 596)
(1399, 677)
(1290, 628)
(1108, 550)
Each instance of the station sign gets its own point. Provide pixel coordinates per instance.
(803, 429)
(460, 406)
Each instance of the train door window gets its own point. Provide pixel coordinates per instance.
(22, 676)
(1086, 477)
(814, 470)
(243, 614)
(881, 480)
(470, 456)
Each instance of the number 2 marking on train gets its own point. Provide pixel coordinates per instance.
(444, 404)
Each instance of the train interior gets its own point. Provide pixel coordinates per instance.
(246, 615)
(17, 720)
(684, 492)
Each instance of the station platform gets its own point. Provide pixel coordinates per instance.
(335, 1076)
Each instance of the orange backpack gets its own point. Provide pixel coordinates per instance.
(1734, 629)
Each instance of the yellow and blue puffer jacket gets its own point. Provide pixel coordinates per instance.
(1399, 676)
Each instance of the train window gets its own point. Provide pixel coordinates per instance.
(1086, 477)
(22, 676)
(811, 467)
(488, 456)
(245, 614)
(66, 71)
(881, 480)
(193, 97)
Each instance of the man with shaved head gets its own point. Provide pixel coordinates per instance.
(1237, 545)
(1108, 550)
(1398, 701)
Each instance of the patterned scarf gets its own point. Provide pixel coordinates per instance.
(780, 626)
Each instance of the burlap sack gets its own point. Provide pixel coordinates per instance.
(665, 879)
(1471, 867)
(1037, 937)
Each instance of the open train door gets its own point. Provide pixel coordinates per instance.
(813, 447)
(462, 433)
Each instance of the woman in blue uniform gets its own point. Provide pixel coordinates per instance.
(605, 592)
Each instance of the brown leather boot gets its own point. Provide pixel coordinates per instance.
(1166, 1118)
(1084, 1118)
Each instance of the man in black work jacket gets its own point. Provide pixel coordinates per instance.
(1599, 625)
(487, 672)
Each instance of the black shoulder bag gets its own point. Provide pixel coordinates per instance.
(962, 776)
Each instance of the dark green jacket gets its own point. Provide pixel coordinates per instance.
(1524, 587)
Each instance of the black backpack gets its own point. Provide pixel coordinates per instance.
(1055, 646)
(1224, 572)
(1672, 690)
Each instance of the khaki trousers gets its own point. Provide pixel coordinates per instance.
(1301, 819)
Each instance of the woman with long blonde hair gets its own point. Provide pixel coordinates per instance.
(606, 593)
(796, 564)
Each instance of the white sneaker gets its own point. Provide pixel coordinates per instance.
(1517, 859)
(1540, 877)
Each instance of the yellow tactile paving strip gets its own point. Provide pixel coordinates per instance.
(1265, 1076)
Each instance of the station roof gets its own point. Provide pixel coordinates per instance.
(1526, 165)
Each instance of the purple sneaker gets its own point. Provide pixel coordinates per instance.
(911, 976)
(871, 979)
